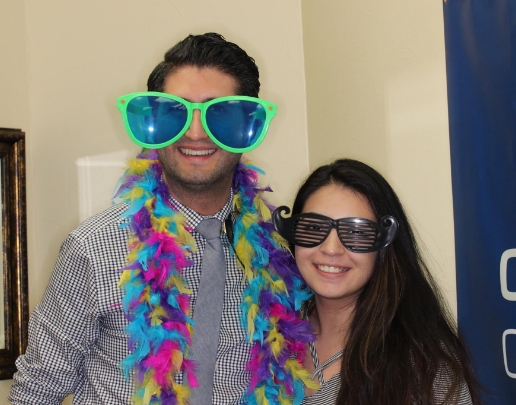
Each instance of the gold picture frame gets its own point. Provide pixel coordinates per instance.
(14, 289)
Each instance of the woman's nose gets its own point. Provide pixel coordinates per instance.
(332, 244)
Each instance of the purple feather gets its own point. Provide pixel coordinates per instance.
(300, 331)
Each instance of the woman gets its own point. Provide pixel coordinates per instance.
(384, 334)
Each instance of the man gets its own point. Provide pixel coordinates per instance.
(145, 305)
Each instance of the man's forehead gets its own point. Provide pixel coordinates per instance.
(199, 84)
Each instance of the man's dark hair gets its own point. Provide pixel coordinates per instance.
(209, 50)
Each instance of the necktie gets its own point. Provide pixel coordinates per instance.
(208, 310)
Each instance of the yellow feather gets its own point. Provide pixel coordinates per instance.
(285, 400)
(185, 238)
(248, 219)
(151, 389)
(280, 240)
(180, 283)
(301, 373)
(260, 205)
(161, 224)
(276, 342)
(237, 202)
(136, 193)
(136, 246)
(251, 315)
(279, 285)
(276, 285)
(180, 218)
(244, 250)
(125, 277)
(182, 393)
(156, 316)
(131, 257)
(190, 331)
(149, 205)
(177, 360)
(138, 166)
(259, 394)
(145, 296)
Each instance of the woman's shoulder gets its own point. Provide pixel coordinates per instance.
(444, 380)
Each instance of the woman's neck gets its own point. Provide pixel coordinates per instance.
(332, 319)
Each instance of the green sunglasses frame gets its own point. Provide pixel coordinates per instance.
(270, 112)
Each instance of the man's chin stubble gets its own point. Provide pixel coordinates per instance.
(197, 185)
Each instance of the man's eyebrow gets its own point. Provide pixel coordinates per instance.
(190, 101)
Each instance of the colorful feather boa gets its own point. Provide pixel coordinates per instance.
(156, 297)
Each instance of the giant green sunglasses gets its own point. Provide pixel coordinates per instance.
(235, 123)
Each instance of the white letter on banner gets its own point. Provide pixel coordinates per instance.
(507, 332)
(508, 295)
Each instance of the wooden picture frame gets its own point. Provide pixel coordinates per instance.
(14, 250)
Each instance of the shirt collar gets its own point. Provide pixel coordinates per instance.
(194, 218)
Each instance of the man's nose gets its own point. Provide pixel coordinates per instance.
(196, 130)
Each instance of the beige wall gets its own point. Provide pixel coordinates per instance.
(376, 92)
(64, 64)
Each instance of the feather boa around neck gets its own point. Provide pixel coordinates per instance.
(156, 298)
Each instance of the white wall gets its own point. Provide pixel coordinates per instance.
(64, 63)
(376, 92)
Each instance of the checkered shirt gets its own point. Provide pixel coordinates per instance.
(77, 336)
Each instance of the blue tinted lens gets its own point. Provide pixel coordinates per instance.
(154, 120)
(236, 123)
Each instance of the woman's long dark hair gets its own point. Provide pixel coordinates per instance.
(402, 337)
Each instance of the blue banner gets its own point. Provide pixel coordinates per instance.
(481, 69)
